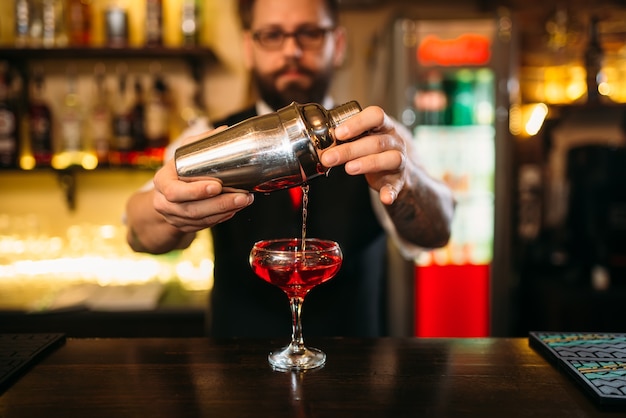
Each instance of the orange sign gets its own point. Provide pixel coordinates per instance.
(467, 49)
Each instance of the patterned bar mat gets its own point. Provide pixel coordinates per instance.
(596, 361)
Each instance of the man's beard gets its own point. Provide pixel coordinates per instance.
(293, 92)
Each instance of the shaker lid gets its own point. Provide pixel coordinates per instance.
(333, 118)
(340, 113)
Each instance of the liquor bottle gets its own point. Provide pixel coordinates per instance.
(71, 122)
(431, 100)
(79, 22)
(122, 122)
(594, 57)
(190, 112)
(49, 21)
(100, 120)
(157, 120)
(154, 22)
(138, 122)
(9, 122)
(40, 123)
(53, 18)
(35, 28)
(484, 95)
(190, 22)
(23, 10)
(116, 24)
(463, 100)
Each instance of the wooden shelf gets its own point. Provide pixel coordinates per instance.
(195, 53)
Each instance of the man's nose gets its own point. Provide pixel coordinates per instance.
(291, 47)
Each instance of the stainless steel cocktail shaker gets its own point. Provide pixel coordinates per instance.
(266, 153)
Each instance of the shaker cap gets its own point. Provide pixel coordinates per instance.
(340, 113)
(329, 120)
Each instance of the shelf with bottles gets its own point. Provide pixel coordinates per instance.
(197, 58)
(119, 23)
(81, 132)
(120, 118)
(75, 29)
(74, 127)
(451, 97)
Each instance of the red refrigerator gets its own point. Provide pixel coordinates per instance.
(454, 87)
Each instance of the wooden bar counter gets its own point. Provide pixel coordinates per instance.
(389, 377)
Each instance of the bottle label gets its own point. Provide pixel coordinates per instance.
(7, 145)
(101, 126)
(7, 123)
(189, 22)
(122, 132)
(71, 134)
(116, 27)
(8, 141)
(156, 123)
(22, 19)
(101, 133)
(154, 22)
(40, 132)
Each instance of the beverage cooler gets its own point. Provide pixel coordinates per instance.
(452, 88)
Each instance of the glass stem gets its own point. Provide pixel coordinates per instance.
(297, 341)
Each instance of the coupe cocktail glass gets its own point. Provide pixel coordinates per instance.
(296, 266)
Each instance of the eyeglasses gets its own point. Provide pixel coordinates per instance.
(307, 38)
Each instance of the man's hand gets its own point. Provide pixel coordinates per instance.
(168, 216)
(420, 207)
(381, 154)
(196, 205)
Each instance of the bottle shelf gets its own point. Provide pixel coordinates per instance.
(196, 58)
(192, 53)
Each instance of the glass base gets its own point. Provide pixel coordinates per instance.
(287, 359)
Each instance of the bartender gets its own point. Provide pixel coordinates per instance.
(377, 189)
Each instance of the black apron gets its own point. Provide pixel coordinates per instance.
(351, 304)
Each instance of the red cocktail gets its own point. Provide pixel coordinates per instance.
(296, 266)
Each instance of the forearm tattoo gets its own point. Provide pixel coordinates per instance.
(418, 218)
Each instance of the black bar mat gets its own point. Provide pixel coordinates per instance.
(596, 361)
(19, 352)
